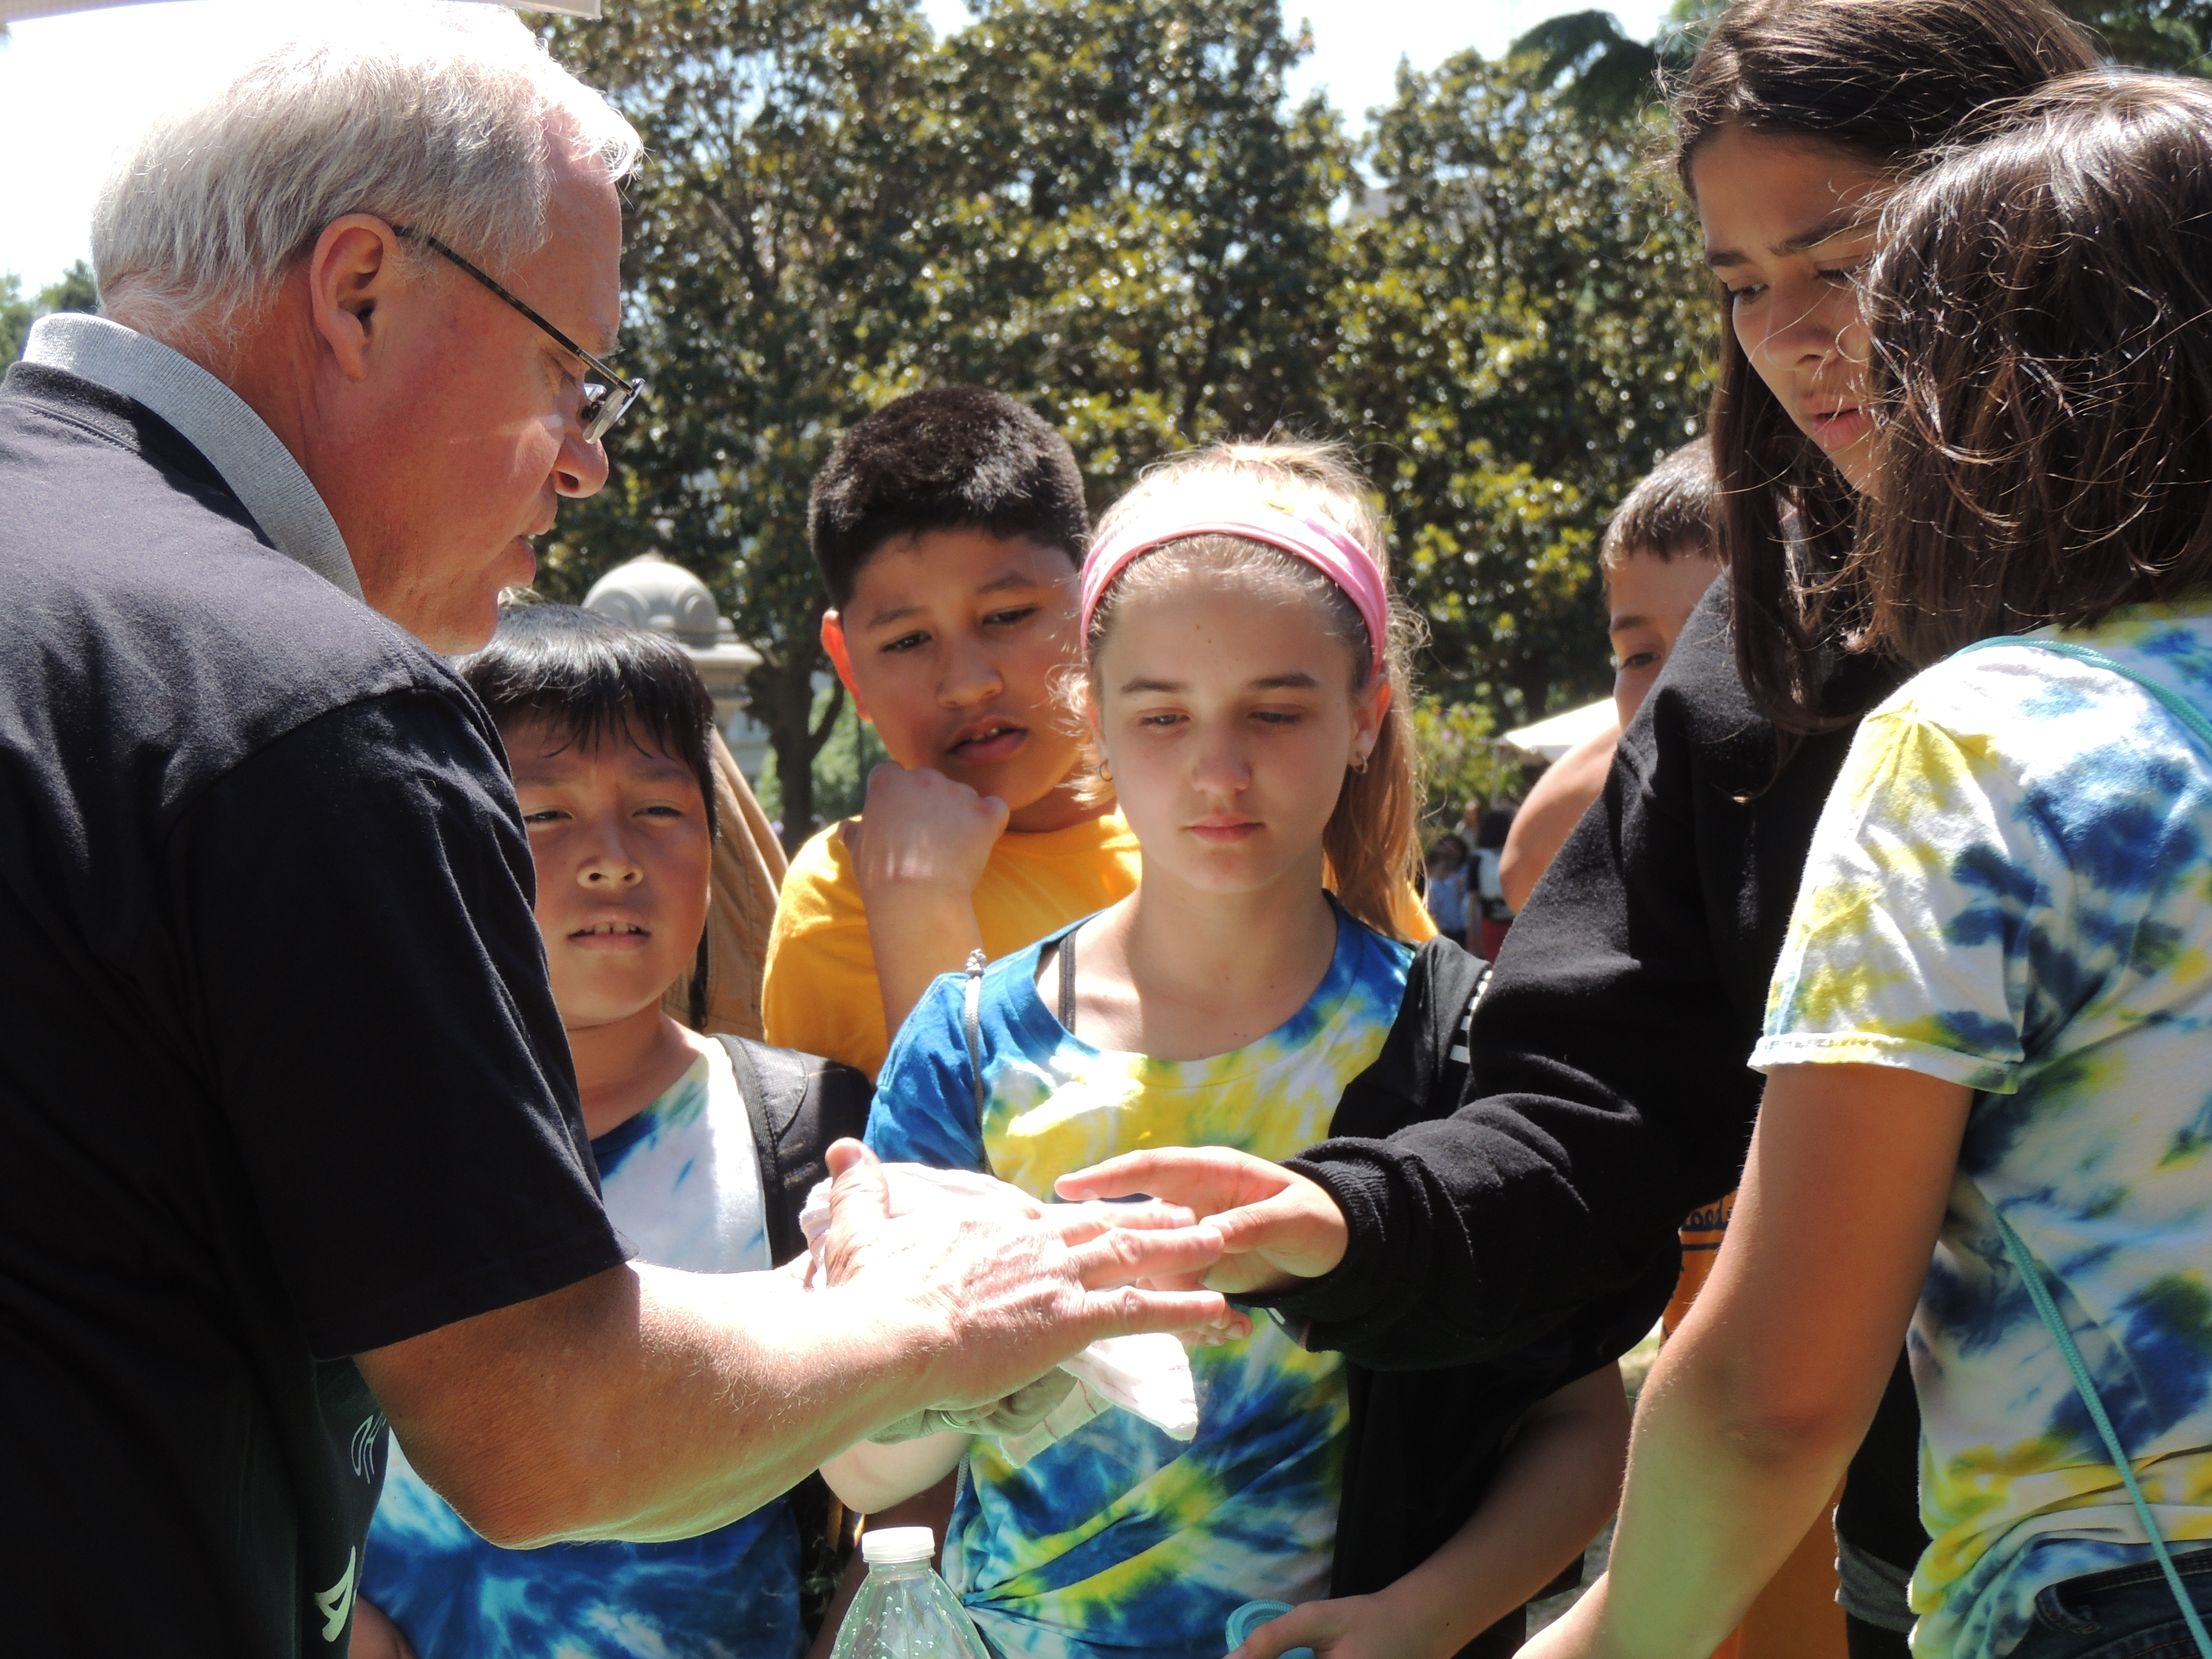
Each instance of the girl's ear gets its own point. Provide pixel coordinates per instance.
(1369, 708)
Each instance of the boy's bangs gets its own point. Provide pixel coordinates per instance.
(597, 681)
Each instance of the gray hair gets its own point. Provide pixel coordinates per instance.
(450, 119)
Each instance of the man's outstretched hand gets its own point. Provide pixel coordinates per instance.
(1014, 1288)
(1276, 1226)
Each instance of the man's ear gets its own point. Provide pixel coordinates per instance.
(840, 658)
(351, 272)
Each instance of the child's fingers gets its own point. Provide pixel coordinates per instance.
(1307, 1627)
(1205, 1179)
(1079, 1224)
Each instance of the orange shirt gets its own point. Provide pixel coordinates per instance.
(820, 995)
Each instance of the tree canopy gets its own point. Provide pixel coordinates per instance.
(75, 290)
(1109, 208)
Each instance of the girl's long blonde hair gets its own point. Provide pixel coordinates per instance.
(1370, 844)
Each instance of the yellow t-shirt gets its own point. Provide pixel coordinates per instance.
(820, 995)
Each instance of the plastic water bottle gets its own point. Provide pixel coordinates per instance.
(1252, 1614)
(904, 1610)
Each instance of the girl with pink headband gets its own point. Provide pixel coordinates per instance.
(1244, 691)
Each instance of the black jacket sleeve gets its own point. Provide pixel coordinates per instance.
(1608, 1093)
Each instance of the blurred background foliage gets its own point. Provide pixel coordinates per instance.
(1109, 209)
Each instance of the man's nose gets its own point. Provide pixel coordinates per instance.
(580, 469)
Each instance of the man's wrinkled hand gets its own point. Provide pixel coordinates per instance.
(1276, 1226)
(1013, 1293)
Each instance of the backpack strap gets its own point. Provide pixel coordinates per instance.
(1423, 1069)
(2046, 1308)
(798, 1104)
(971, 1026)
(2176, 705)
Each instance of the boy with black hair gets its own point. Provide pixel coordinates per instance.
(948, 525)
(706, 1148)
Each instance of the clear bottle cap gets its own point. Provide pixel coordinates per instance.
(892, 1545)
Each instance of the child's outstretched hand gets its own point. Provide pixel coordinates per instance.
(1276, 1226)
(1353, 1627)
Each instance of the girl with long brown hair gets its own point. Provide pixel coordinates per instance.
(1243, 685)
(1986, 1040)
(1610, 1097)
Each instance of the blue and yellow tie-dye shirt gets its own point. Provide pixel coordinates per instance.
(1119, 1541)
(682, 1180)
(2011, 889)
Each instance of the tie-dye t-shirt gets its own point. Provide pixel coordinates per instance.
(682, 1182)
(2011, 889)
(1119, 1541)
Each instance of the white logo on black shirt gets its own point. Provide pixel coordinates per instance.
(336, 1603)
(364, 1445)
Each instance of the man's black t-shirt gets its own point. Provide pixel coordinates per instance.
(265, 902)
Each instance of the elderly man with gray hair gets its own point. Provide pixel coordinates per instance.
(293, 1148)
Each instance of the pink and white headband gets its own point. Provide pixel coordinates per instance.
(1324, 546)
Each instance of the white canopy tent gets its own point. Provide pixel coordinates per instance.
(1552, 737)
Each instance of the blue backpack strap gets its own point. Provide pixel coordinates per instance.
(971, 1025)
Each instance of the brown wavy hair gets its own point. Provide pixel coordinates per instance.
(1371, 843)
(2041, 313)
(1884, 82)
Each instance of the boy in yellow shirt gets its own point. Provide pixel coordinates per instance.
(948, 526)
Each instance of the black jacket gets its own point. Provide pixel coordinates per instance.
(1609, 1095)
(1423, 1445)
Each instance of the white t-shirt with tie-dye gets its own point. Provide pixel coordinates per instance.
(2011, 889)
(1119, 1541)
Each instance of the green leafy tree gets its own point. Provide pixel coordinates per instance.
(17, 314)
(74, 290)
(1524, 330)
(772, 271)
(1104, 208)
(1137, 233)
(2167, 34)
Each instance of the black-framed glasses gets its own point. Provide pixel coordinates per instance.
(603, 405)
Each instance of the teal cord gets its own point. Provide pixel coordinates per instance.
(2193, 718)
(2176, 705)
(2039, 1292)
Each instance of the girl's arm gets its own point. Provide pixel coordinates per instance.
(1757, 1402)
(868, 1478)
(1559, 1481)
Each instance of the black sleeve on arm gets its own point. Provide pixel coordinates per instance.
(351, 907)
(1608, 1094)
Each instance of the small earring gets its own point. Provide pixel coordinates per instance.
(1106, 771)
(1360, 763)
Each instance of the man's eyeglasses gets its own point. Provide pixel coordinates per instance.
(603, 405)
